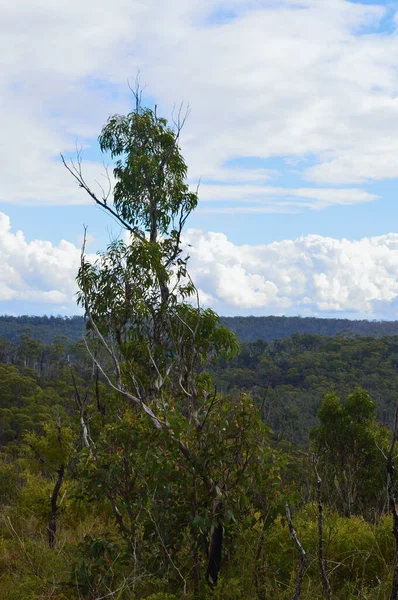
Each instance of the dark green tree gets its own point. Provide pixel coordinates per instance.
(352, 449)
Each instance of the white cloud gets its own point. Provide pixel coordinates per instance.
(288, 78)
(37, 271)
(287, 81)
(309, 275)
(275, 199)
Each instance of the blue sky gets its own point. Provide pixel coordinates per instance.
(292, 130)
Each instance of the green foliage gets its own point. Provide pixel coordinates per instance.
(170, 509)
(33, 500)
(150, 171)
(23, 405)
(352, 451)
(137, 293)
(46, 329)
(288, 378)
(356, 557)
(28, 569)
(12, 479)
(53, 448)
(162, 503)
(98, 565)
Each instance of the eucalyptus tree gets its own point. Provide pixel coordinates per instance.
(143, 310)
(138, 294)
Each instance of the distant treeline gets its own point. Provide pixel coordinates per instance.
(45, 329)
(248, 329)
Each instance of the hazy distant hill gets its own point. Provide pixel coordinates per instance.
(250, 329)
(247, 328)
(45, 329)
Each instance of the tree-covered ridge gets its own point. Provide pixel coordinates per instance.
(44, 328)
(250, 329)
(247, 329)
(289, 377)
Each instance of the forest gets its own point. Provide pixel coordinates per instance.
(154, 457)
(262, 432)
(247, 329)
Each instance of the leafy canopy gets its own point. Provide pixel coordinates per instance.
(150, 192)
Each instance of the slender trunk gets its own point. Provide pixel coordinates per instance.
(260, 545)
(196, 546)
(153, 238)
(153, 234)
(214, 552)
(215, 549)
(196, 575)
(100, 406)
(321, 561)
(52, 525)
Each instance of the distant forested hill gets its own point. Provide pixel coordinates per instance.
(289, 377)
(45, 329)
(248, 329)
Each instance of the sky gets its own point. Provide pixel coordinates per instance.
(292, 133)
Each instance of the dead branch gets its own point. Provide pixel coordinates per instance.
(301, 551)
(75, 169)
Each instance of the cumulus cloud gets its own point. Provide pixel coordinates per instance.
(309, 275)
(305, 79)
(37, 271)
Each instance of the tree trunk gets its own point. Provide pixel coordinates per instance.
(325, 581)
(52, 525)
(215, 550)
(196, 575)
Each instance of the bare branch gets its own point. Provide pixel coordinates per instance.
(181, 118)
(301, 551)
(76, 172)
(137, 90)
(212, 403)
(120, 388)
(87, 442)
